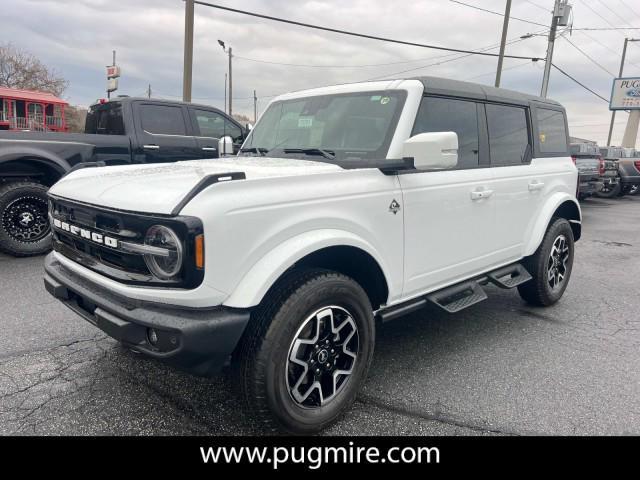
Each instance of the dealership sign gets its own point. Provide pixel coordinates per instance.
(625, 94)
(113, 71)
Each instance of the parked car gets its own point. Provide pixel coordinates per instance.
(628, 166)
(587, 159)
(348, 205)
(120, 131)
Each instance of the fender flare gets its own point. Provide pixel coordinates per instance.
(544, 217)
(253, 286)
(30, 154)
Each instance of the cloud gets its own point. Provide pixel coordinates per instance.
(76, 37)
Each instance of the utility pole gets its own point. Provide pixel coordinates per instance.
(561, 12)
(149, 91)
(225, 93)
(188, 50)
(503, 41)
(230, 83)
(613, 112)
(255, 108)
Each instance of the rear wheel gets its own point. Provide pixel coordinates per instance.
(24, 224)
(550, 266)
(609, 191)
(307, 351)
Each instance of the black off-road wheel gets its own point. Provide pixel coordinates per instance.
(550, 266)
(609, 191)
(306, 351)
(24, 224)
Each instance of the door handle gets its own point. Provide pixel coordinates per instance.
(151, 147)
(533, 186)
(209, 149)
(480, 194)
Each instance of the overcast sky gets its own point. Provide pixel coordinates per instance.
(76, 38)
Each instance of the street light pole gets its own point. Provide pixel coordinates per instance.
(613, 112)
(188, 50)
(503, 41)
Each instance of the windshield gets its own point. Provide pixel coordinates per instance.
(336, 127)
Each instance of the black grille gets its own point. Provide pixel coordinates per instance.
(130, 227)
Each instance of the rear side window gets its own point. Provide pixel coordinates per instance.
(448, 115)
(552, 133)
(508, 134)
(162, 119)
(105, 120)
(212, 124)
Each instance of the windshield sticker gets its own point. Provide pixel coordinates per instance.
(375, 98)
(384, 100)
(305, 122)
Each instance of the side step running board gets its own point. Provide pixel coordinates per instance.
(458, 297)
(462, 295)
(509, 277)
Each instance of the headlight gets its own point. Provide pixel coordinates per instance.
(167, 265)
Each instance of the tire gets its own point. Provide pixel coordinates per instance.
(290, 325)
(608, 192)
(24, 224)
(541, 265)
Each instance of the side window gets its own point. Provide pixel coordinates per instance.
(552, 133)
(162, 119)
(508, 134)
(105, 120)
(212, 124)
(449, 115)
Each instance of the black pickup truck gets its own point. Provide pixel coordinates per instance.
(121, 131)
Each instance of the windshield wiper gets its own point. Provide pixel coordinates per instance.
(328, 154)
(259, 150)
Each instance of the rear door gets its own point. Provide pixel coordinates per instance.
(209, 126)
(449, 215)
(164, 133)
(520, 183)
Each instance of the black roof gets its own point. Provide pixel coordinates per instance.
(458, 88)
(126, 99)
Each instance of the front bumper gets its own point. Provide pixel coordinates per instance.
(197, 340)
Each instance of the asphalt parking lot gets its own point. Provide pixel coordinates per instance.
(500, 367)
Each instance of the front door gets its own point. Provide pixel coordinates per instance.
(449, 216)
(209, 126)
(164, 134)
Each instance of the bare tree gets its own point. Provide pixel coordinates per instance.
(19, 69)
(76, 117)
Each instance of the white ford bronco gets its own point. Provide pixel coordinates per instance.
(347, 206)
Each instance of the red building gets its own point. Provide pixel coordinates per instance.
(31, 110)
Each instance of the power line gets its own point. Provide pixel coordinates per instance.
(497, 13)
(588, 56)
(355, 34)
(613, 27)
(539, 6)
(616, 53)
(578, 82)
(613, 11)
(626, 5)
(527, 62)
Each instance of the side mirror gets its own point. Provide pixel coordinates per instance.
(432, 151)
(225, 146)
(248, 127)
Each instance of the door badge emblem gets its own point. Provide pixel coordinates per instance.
(394, 207)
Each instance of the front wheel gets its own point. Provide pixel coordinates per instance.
(307, 351)
(24, 224)
(550, 266)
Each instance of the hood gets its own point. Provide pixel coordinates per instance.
(158, 188)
